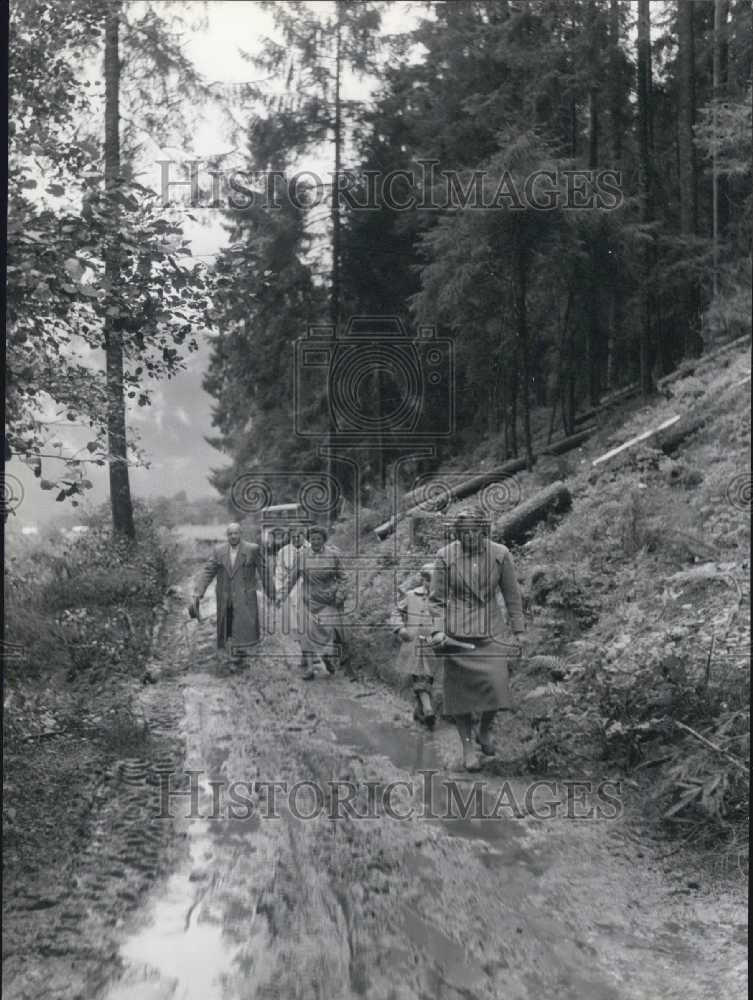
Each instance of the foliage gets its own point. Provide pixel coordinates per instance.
(61, 226)
(82, 604)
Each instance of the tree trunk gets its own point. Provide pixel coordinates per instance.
(559, 395)
(120, 490)
(678, 435)
(686, 119)
(568, 443)
(616, 106)
(334, 300)
(719, 72)
(516, 526)
(644, 185)
(521, 316)
(571, 369)
(688, 167)
(721, 93)
(514, 379)
(335, 209)
(617, 117)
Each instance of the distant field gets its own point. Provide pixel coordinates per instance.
(202, 532)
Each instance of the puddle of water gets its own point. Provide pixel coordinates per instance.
(405, 750)
(200, 933)
(415, 751)
(181, 949)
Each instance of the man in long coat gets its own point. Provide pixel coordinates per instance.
(236, 566)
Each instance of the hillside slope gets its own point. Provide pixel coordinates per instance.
(638, 604)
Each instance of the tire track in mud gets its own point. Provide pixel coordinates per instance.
(71, 943)
(381, 908)
(384, 908)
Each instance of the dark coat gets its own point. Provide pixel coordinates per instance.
(236, 588)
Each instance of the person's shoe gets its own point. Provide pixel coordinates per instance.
(488, 746)
(427, 711)
(471, 760)
(308, 675)
(328, 664)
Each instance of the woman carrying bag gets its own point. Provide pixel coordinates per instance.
(469, 631)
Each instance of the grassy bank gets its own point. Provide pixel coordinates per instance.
(79, 617)
(638, 607)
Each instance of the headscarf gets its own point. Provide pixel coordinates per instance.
(471, 517)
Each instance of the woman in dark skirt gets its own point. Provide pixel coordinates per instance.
(467, 574)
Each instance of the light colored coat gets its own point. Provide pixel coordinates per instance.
(288, 559)
(413, 613)
(464, 588)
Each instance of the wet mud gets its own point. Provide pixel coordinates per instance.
(385, 898)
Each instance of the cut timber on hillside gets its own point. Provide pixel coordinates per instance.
(427, 496)
(689, 367)
(568, 443)
(437, 495)
(636, 440)
(619, 396)
(514, 527)
(686, 427)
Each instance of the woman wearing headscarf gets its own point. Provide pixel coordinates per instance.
(469, 629)
(323, 595)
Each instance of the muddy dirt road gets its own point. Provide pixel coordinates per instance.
(273, 904)
(357, 876)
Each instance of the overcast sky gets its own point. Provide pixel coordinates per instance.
(172, 431)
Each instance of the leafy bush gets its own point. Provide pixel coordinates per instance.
(85, 602)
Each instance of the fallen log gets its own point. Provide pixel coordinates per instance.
(687, 368)
(685, 428)
(618, 396)
(426, 495)
(515, 526)
(435, 496)
(636, 440)
(568, 443)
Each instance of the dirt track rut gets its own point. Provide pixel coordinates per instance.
(338, 906)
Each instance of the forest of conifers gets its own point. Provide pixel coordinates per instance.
(546, 308)
(561, 189)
